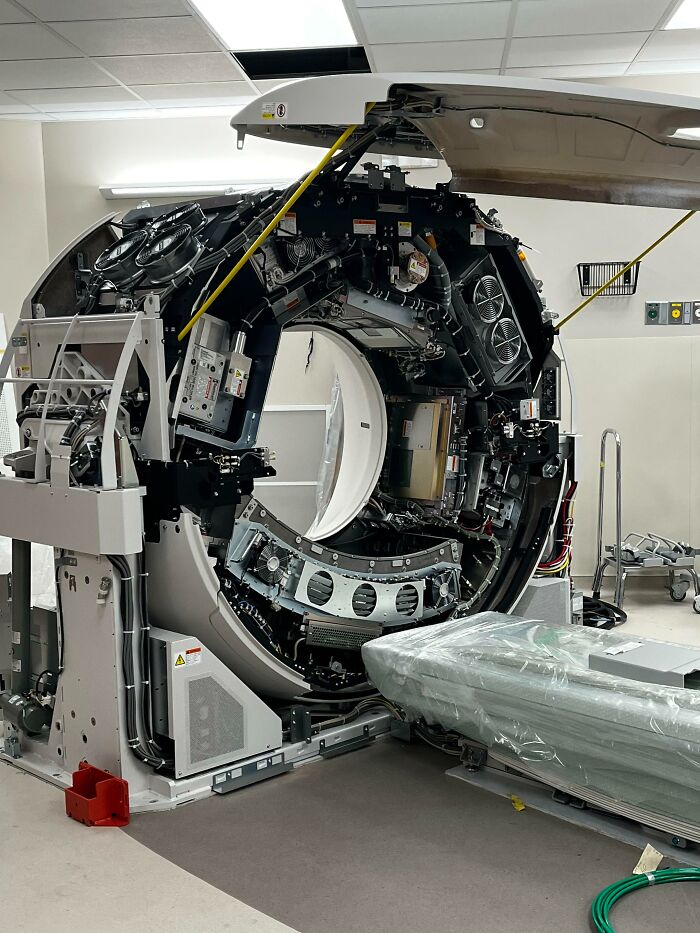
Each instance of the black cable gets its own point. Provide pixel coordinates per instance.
(147, 755)
(40, 678)
(59, 613)
(599, 614)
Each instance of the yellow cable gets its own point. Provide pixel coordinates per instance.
(629, 265)
(313, 174)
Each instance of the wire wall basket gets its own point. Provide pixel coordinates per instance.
(591, 275)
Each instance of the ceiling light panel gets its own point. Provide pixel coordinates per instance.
(278, 24)
(687, 16)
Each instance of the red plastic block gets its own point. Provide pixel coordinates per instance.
(97, 798)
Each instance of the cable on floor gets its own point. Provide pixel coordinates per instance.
(606, 900)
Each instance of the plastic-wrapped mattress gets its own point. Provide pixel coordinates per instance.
(523, 688)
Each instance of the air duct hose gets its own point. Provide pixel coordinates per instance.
(438, 269)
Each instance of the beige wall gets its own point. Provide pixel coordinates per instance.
(641, 380)
(80, 157)
(634, 378)
(23, 243)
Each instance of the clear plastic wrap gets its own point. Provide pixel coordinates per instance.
(43, 570)
(333, 448)
(523, 687)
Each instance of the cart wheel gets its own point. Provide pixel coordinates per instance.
(696, 603)
(678, 594)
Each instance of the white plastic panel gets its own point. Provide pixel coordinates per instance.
(582, 161)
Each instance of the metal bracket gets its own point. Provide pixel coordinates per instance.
(340, 748)
(11, 744)
(250, 773)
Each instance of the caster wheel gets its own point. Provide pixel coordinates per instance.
(677, 594)
(696, 604)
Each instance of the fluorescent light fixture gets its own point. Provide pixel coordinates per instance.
(190, 189)
(687, 16)
(278, 24)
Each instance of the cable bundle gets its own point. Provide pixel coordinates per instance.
(606, 900)
(557, 566)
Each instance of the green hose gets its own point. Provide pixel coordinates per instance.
(606, 900)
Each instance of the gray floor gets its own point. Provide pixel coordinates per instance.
(381, 840)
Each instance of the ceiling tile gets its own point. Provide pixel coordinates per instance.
(173, 95)
(672, 67)
(78, 98)
(574, 50)
(25, 114)
(115, 113)
(137, 36)
(59, 72)
(439, 56)
(65, 10)
(367, 4)
(574, 17)
(672, 43)
(569, 71)
(437, 22)
(31, 40)
(10, 105)
(9, 13)
(172, 69)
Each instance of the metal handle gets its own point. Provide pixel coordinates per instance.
(618, 500)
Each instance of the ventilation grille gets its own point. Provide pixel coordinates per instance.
(319, 589)
(341, 634)
(506, 341)
(407, 600)
(364, 600)
(216, 720)
(489, 298)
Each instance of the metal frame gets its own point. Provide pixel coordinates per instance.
(601, 562)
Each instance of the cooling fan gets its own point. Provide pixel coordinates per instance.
(271, 564)
(505, 341)
(301, 250)
(488, 298)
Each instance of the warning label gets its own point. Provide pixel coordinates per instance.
(367, 227)
(477, 235)
(289, 223)
(191, 656)
(273, 111)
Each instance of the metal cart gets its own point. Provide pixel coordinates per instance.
(639, 552)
